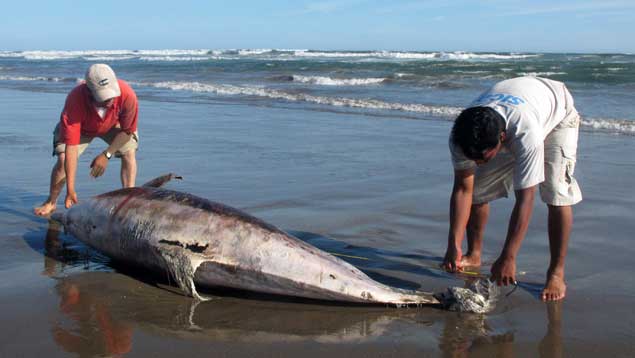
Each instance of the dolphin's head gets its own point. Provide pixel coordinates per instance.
(83, 223)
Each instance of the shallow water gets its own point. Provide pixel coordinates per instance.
(372, 190)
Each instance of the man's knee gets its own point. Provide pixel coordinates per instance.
(477, 207)
(61, 159)
(479, 212)
(129, 156)
(478, 215)
(560, 209)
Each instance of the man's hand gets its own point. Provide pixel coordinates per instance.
(452, 259)
(98, 166)
(504, 271)
(71, 199)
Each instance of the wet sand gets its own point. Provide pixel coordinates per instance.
(363, 186)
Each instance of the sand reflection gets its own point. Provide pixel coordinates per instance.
(551, 345)
(87, 328)
(90, 329)
(466, 335)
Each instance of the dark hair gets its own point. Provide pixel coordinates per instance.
(476, 130)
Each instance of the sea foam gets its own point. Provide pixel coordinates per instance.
(328, 81)
(223, 89)
(541, 74)
(273, 54)
(619, 126)
(609, 125)
(39, 78)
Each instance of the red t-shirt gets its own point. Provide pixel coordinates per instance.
(80, 117)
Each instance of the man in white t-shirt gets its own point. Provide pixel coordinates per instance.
(520, 134)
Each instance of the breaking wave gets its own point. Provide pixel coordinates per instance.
(40, 78)
(177, 59)
(328, 81)
(611, 125)
(621, 126)
(272, 54)
(223, 89)
(459, 55)
(107, 55)
(541, 74)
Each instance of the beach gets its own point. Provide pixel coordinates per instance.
(373, 189)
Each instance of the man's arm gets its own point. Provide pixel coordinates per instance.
(504, 269)
(70, 168)
(120, 139)
(460, 205)
(99, 164)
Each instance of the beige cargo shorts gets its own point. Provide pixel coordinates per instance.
(84, 141)
(494, 179)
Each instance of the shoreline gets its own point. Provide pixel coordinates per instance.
(373, 188)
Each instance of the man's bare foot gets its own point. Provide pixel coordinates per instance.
(555, 288)
(471, 260)
(45, 209)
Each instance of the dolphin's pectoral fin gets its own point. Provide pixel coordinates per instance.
(160, 181)
(182, 268)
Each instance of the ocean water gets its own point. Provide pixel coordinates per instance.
(345, 150)
(415, 85)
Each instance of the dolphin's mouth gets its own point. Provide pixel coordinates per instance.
(478, 297)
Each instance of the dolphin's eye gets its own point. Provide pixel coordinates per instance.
(94, 226)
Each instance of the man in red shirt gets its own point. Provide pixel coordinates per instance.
(101, 107)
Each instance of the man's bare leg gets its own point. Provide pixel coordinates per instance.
(560, 224)
(58, 178)
(475, 232)
(128, 169)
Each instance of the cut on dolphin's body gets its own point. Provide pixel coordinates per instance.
(203, 243)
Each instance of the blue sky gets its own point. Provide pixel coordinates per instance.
(439, 25)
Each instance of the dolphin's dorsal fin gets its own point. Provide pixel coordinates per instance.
(159, 181)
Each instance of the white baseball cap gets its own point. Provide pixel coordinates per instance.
(101, 81)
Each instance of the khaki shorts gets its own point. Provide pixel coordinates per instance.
(59, 146)
(494, 179)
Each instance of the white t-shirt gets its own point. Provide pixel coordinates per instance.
(531, 107)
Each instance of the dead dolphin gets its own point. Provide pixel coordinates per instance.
(204, 243)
